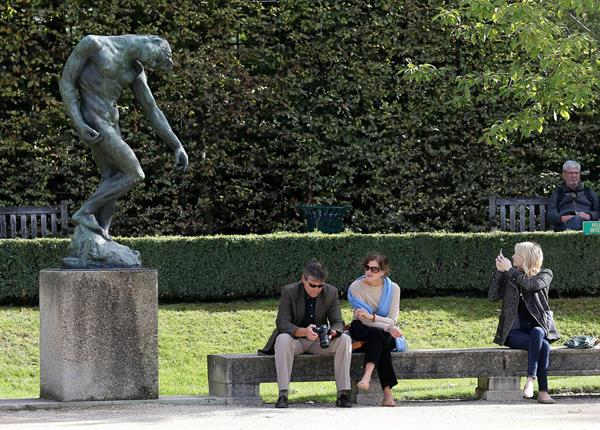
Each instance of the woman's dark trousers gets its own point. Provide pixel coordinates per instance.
(538, 352)
(377, 350)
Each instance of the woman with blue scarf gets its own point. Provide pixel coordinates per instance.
(375, 300)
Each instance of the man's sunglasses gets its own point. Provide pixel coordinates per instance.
(315, 285)
(373, 269)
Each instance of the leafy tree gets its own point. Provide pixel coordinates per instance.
(541, 55)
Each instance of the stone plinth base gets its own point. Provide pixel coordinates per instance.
(499, 389)
(372, 397)
(98, 334)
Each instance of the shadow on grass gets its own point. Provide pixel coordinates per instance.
(463, 308)
(233, 306)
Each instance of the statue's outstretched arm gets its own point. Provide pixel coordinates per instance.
(87, 47)
(158, 120)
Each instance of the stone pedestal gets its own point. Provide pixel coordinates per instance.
(98, 334)
(499, 389)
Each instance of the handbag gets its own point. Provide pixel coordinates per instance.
(401, 344)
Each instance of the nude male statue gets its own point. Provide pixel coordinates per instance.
(96, 72)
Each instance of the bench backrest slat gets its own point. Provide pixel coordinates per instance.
(2, 225)
(512, 217)
(33, 226)
(522, 218)
(503, 217)
(532, 226)
(524, 214)
(53, 224)
(23, 226)
(521, 201)
(64, 219)
(43, 226)
(543, 216)
(13, 226)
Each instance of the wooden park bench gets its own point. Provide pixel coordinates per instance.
(237, 377)
(31, 221)
(524, 213)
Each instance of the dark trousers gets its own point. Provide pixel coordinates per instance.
(574, 223)
(538, 352)
(377, 350)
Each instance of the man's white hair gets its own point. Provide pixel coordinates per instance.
(571, 163)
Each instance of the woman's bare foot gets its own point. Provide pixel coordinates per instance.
(363, 384)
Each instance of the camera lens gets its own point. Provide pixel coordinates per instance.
(323, 332)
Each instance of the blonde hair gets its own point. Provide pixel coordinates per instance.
(532, 255)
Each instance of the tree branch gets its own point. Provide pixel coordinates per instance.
(582, 25)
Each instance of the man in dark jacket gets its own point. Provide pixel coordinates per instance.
(305, 306)
(572, 203)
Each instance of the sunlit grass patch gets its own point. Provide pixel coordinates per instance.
(188, 332)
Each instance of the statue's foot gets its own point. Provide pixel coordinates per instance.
(89, 221)
(89, 250)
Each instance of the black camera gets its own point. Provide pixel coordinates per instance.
(323, 332)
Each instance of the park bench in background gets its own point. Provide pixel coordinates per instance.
(31, 221)
(237, 377)
(524, 213)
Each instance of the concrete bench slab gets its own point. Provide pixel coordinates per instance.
(498, 370)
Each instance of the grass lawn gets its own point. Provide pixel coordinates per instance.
(188, 332)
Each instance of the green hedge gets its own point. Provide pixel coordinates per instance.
(312, 106)
(232, 267)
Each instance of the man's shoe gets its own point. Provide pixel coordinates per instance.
(343, 401)
(282, 402)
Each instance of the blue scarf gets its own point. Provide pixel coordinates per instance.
(385, 301)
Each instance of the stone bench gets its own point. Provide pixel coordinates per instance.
(237, 377)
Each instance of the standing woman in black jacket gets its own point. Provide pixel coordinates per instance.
(526, 321)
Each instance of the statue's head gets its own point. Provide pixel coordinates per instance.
(156, 54)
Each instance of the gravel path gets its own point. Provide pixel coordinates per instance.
(567, 413)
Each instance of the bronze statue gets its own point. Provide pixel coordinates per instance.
(95, 74)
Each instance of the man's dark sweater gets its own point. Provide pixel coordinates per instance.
(566, 201)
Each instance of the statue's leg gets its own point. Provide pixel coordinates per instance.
(105, 214)
(112, 155)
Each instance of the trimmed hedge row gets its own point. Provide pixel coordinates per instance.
(233, 267)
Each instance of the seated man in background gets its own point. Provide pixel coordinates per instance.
(572, 202)
(304, 307)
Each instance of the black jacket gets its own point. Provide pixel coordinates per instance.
(534, 290)
(291, 312)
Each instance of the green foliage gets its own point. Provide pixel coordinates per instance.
(232, 267)
(280, 104)
(188, 332)
(541, 55)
